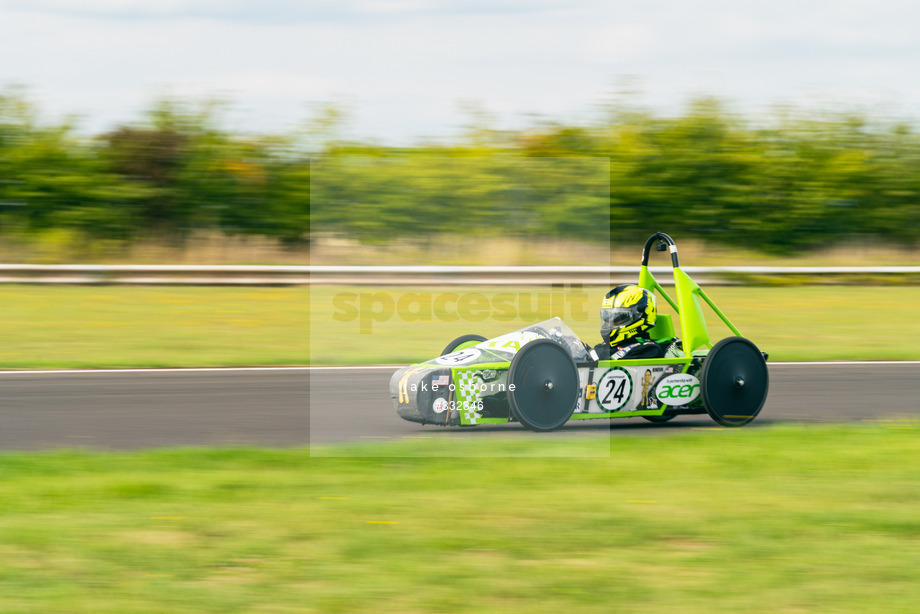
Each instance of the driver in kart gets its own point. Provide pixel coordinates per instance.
(627, 313)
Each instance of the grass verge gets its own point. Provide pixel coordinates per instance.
(112, 326)
(93, 327)
(362, 325)
(780, 519)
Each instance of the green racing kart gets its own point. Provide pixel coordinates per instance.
(543, 375)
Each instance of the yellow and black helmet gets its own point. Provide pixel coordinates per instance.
(627, 310)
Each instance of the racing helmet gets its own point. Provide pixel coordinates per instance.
(627, 310)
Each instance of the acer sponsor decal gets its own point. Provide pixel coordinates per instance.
(678, 389)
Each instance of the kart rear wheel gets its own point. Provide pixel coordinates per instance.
(463, 342)
(734, 382)
(545, 381)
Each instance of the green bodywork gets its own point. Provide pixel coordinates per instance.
(688, 307)
(467, 344)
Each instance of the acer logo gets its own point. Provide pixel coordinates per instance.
(678, 389)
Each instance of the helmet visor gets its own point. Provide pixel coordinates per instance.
(613, 318)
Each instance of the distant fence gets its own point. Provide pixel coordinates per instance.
(130, 274)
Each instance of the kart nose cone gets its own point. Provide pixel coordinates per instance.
(421, 394)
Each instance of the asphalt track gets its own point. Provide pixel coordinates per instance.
(299, 406)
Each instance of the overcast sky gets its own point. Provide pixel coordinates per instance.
(408, 68)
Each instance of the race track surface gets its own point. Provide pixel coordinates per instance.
(278, 407)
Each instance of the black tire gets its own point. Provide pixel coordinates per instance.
(734, 382)
(453, 345)
(660, 419)
(545, 381)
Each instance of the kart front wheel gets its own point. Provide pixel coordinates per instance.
(734, 381)
(463, 342)
(544, 379)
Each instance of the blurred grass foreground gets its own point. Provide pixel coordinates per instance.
(780, 519)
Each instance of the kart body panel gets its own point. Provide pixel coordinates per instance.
(470, 386)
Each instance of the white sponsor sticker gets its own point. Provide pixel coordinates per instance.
(460, 357)
(614, 389)
(678, 389)
(439, 405)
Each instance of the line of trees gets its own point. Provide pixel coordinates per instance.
(784, 185)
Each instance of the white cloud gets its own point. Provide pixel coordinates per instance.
(623, 43)
(405, 65)
(269, 83)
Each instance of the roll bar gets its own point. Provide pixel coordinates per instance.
(665, 243)
(688, 307)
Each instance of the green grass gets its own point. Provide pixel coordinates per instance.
(773, 519)
(91, 327)
(790, 323)
(65, 326)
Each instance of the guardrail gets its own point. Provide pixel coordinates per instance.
(253, 275)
